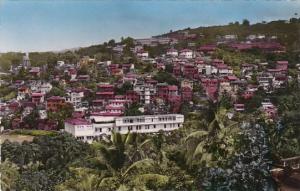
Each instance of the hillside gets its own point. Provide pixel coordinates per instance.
(288, 32)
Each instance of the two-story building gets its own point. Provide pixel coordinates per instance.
(98, 126)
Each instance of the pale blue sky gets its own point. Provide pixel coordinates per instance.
(41, 25)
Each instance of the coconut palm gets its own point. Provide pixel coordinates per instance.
(8, 175)
(83, 179)
(213, 143)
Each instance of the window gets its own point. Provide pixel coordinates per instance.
(165, 126)
(89, 137)
(119, 128)
(154, 126)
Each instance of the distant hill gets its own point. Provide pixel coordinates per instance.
(288, 32)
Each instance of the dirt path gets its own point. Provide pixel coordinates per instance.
(15, 138)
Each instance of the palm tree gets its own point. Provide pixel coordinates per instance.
(83, 179)
(120, 162)
(213, 143)
(9, 174)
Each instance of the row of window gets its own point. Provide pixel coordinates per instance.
(139, 127)
(133, 120)
(87, 137)
(141, 120)
(169, 118)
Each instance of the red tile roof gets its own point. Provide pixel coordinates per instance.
(77, 121)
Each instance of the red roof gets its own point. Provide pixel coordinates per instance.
(119, 97)
(218, 61)
(172, 50)
(105, 86)
(186, 88)
(173, 87)
(105, 114)
(55, 98)
(186, 50)
(284, 62)
(77, 121)
(208, 47)
(105, 93)
(222, 66)
(98, 101)
(109, 107)
(37, 94)
(232, 78)
(274, 70)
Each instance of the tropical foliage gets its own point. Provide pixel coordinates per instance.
(211, 152)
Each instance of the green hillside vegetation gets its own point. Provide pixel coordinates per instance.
(287, 31)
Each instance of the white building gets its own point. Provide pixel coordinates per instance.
(230, 37)
(143, 54)
(45, 87)
(75, 97)
(40, 86)
(186, 53)
(80, 128)
(148, 123)
(26, 61)
(172, 52)
(145, 91)
(118, 48)
(100, 126)
(60, 63)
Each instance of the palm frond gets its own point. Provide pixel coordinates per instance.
(196, 135)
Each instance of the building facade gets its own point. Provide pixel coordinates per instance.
(98, 126)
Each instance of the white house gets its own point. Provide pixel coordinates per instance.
(99, 126)
(145, 91)
(172, 52)
(118, 48)
(142, 54)
(45, 87)
(230, 37)
(60, 63)
(75, 97)
(186, 53)
(82, 129)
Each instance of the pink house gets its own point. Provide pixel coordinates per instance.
(186, 94)
(37, 98)
(209, 48)
(105, 95)
(211, 87)
(105, 87)
(189, 71)
(283, 65)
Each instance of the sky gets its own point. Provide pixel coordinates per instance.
(52, 25)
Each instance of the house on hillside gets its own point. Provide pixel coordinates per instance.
(186, 53)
